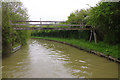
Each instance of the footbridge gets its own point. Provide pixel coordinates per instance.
(47, 25)
(51, 25)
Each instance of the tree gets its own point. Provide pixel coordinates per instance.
(104, 17)
(12, 11)
(78, 17)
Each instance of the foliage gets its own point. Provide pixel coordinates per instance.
(12, 11)
(77, 34)
(78, 17)
(104, 17)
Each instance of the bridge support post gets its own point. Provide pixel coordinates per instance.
(90, 36)
(95, 36)
(55, 24)
(69, 25)
(40, 23)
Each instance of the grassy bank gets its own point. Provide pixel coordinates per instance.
(100, 47)
(16, 45)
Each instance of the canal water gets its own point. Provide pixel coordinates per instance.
(47, 59)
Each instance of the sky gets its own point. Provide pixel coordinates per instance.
(55, 10)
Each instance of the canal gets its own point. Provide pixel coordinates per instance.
(47, 59)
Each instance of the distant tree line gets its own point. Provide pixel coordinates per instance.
(12, 11)
(74, 34)
(104, 18)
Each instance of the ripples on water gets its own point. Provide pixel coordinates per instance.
(45, 59)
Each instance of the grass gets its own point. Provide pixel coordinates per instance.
(16, 45)
(102, 47)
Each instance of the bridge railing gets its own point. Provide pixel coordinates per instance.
(48, 23)
(67, 25)
(53, 23)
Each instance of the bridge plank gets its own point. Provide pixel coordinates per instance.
(38, 28)
(40, 21)
(50, 24)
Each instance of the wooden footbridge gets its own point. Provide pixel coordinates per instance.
(56, 25)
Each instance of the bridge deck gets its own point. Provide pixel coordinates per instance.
(56, 23)
(38, 28)
(50, 23)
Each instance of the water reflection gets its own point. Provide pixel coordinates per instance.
(80, 63)
(45, 59)
(16, 65)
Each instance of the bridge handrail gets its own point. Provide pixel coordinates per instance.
(41, 21)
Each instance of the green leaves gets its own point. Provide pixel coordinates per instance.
(78, 17)
(105, 17)
(13, 11)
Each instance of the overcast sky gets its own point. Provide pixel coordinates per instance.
(55, 9)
